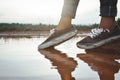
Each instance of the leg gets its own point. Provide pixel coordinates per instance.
(64, 30)
(108, 11)
(68, 13)
(107, 31)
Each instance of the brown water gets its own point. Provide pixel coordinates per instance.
(21, 60)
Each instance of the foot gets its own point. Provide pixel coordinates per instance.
(58, 36)
(98, 37)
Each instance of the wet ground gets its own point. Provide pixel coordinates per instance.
(20, 59)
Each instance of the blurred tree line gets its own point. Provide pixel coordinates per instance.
(37, 27)
(24, 27)
(40, 27)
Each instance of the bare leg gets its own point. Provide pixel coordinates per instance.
(64, 23)
(107, 23)
(68, 13)
(108, 12)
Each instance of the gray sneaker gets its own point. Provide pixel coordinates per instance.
(98, 37)
(58, 36)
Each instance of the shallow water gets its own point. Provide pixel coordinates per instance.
(20, 59)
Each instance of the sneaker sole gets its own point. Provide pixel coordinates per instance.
(58, 40)
(100, 43)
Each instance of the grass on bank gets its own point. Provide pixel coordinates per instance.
(40, 27)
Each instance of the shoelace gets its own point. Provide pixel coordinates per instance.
(97, 31)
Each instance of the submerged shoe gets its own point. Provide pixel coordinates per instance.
(98, 37)
(58, 36)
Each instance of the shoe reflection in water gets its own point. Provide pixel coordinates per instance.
(102, 61)
(65, 65)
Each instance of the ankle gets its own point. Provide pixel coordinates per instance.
(64, 23)
(108, 23)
